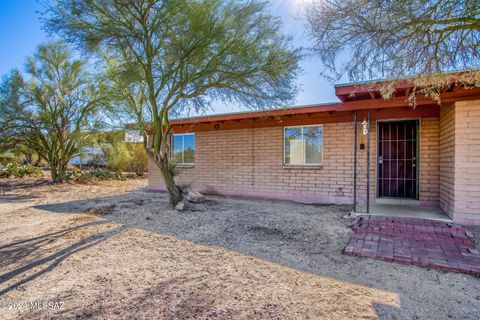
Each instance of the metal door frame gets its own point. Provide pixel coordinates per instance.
(417, 149)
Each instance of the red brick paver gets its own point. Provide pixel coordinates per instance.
(421, 242)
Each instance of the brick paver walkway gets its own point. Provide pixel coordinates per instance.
(420, 242)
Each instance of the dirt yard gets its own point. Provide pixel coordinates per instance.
(115, 250)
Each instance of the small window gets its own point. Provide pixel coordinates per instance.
(303, 145)
(183, 148)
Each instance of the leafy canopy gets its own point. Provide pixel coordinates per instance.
(173, 56)
(187, 52)
(49, 107)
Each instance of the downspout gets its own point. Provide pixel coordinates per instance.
(355, 161)
(368, 164)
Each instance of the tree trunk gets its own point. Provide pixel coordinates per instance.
(54, 174)
(174, 192)
(29, 157)
(162, 162)
(57, 171)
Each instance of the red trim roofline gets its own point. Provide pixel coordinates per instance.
(367, 99)
(356, 105)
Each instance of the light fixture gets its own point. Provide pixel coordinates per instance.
(365, 127)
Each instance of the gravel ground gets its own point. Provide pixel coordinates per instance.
(308, 238)
(305, 237)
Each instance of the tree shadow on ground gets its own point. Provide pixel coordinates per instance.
(83, 206)
(15, 197)
(19, 250)
(275, 231)
(9, 189)
(16, 251)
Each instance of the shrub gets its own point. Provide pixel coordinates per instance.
(6, 158)
(122, 157)
(100, 174)
(139, 159)
(118, 156)
(130, 175)
(17, 171)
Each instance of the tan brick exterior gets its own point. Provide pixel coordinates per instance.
(464, 196)
(429, 162)
(249, 162)
(447, 159)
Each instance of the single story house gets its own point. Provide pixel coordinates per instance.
(359, 151)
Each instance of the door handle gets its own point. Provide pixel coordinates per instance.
(380, 159)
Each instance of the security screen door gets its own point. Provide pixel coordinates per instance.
(397, 159)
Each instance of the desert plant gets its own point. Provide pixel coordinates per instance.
(101, 174)
(14, 170)
(138, 159)
(130, 157)
(117, 156)
(174, 56)
(49, 107)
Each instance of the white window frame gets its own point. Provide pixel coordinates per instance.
(183, 163)
(303, 148)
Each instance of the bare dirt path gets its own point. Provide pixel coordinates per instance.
(228, 258)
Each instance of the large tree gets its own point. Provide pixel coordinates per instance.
(49, 107)
(184, 53)
(365, 39)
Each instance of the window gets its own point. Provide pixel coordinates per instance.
(183, 147)
(303, 145)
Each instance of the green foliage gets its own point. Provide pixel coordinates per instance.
(126, 157)
(103, 137)
(90, 177)
(101, 174)
(139, 159)
(118, 156)
(171, 57)
(14, 170)
(48, 110)
(6, 158)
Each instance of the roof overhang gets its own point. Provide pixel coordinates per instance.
(330, 111)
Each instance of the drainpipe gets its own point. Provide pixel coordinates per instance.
(368, 164)
(355, 161)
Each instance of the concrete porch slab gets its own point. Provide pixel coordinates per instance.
(409, 210)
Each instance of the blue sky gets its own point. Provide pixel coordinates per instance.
(20, 33)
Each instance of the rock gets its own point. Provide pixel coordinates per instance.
(102, 211)
(195, 197)
(352, 215)
(180, 206)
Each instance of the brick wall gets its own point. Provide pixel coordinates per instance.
(460, 161)
(447, 159)
(249, 162)
(467, 162)
(429, 171)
